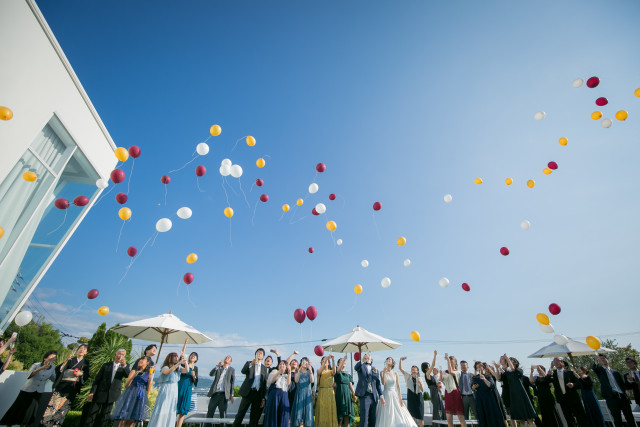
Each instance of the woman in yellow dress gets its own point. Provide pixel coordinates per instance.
(326, 414)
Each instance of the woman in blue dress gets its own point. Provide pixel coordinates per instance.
(276, 412)
(589, 399)
(164, 410)
(133, 405)
(303, 402)
(185, 388)
(489, 413)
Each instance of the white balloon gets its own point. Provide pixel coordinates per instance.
(339, 242)
(184, 213)
(525, 225)
(386, 282)
(202, 149)
(164, 225)
(560, 339)
(539, 115)
(226, 162)
(313, 188)
(321, 208)
(364, 263)
(606, 123)
(444, 282)
(448, 198)
(23, 318)
(102, 183)
(407, 262)
(225, 170)
(236, 171)
(577, 83)
(547, 329)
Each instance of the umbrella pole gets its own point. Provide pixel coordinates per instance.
(351, 364)
(160, 349)
(571, 358)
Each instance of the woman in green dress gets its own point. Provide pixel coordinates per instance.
(345, 394)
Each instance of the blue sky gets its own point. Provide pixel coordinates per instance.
(404, 102)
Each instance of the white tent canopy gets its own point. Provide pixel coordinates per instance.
(359, 339)
(571, 348)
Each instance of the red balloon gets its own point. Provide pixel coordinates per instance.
(332, 196)
(310, 250)
(593, 82)
(318, 350)
(299, 315)
(61, 203)
(93, 294)
(466, 287)
(165, 179)
(188, 278)
(321, 167)
(121, 198)
(264, 198)
(201, 170)
(259, 182)
(312, 313)
(602, 101)
(134, 151)
(132, 251)
(356, 356)
(554, 308)
(377, 206)
(552, 165)
(117, 176)
(504, 251)
(81, 201)
(315, 212)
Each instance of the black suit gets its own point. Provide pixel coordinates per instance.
(570, 400)
(105, 392)
(251, 396)
(616, 402)
(634, 385)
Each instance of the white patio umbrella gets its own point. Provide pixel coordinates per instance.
(360, 339)
(571, 348)
(165, 328)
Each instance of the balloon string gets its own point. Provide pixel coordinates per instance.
(296, 221)
(281, 216)
(236, 144)
(126, 271)
(189, 297)
(198, 184)
(245, 196)
(373, 215)
(154, 238)
(195, 156)
(103, 195)
(225, 191)
(254, 212)
(133, 163)
(294, 214)
(165, 194)
(230, 187)
(77, 309)
(138, 256)
(251, 189)
(63, 220)
(355, 301)
(120, 234)
(230, 241)
(178, 288)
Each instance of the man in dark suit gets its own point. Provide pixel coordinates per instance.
(368, 391)
(565, 387)
(221, 391)
(252, 390)
(632, 379)
(612, 388)
(105, 390)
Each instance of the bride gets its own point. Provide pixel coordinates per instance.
(394, 412)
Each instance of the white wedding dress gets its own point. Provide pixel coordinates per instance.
(392, 414)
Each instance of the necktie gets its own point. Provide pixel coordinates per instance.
(465, 383)
(561, 381)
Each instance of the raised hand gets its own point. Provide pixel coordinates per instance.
(403, 358)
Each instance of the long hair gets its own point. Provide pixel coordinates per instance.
(167, 360)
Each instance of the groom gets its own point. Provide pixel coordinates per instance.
(368, 391)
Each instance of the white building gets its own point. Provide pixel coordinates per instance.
(56, 133)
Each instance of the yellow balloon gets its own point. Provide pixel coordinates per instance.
(401, 241)
(124, 213)
(531, 183)
(299, 202)
(191, 258)
(415, 336)
(593, 342)
(546, 171)
(1, 232)
(251, 141)
(5, 113)
(260, 162)
(357, 289)
(508, 181)
(122, 154)
(478, 181)
(215, 130)
(285, 207)
(542, 318)
(104, 310)
(637, 92)
(331, 225)
(622, 115)
(228, 212)
(596, 115)
(563, 141)
(29, 176)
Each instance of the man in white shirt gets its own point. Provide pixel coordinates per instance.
(221, 390)
(468, 399)
(105, 390)
(612, 387)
